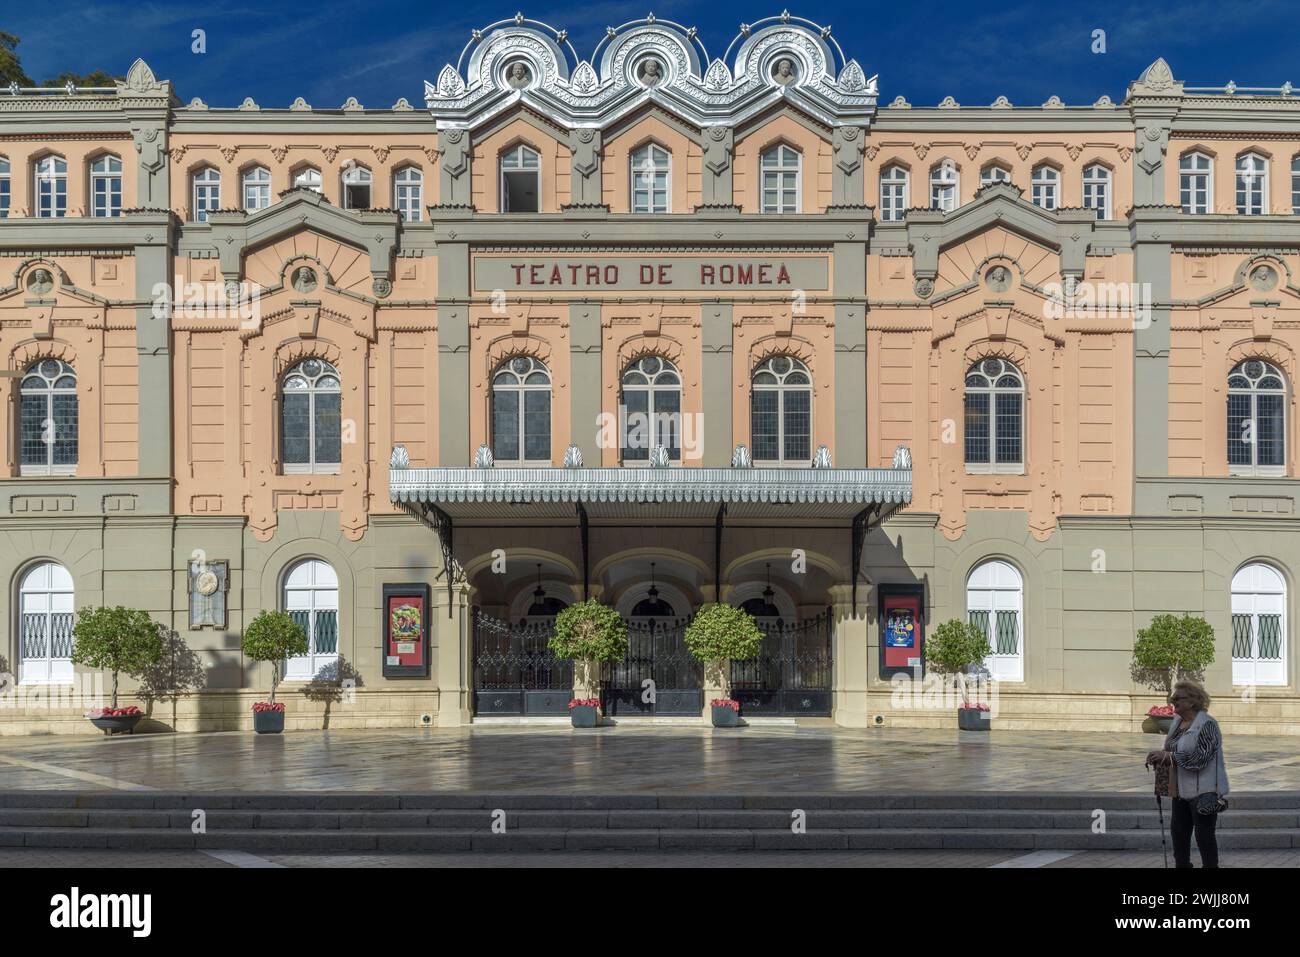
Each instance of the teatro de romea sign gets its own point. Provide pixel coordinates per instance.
(622, 274)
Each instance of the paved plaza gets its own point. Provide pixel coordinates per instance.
(558, 760)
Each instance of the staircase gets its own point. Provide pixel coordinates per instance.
(322, 822)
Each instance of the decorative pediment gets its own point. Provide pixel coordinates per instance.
(524, 61)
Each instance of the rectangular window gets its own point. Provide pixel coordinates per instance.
(106, 196)
(505, 425)
(1270, 438)
(977, 428)
(4, 189)
(1008, 429)
(408, 201)
(765, 423)
(798, 425)
(296, 441)
(1095, 197)
(537, 425)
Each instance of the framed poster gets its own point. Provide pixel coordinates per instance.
(406, 631)
(902, 629)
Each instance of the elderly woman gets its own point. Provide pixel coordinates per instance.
(1198, 777)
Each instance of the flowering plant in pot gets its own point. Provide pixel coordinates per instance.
(584, 712)
(953, 649)
(588, 634)
(272, 636)
(121, 640)
(718, 635)
(1168, 650)
(1161, 718)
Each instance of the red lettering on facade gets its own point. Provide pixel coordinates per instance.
(611, 275)
(556, 278)
(664, 278)
(535, 275)
(783, 276)
(593, 275)
(706, 275)
(519, 274)
(745, 275)
(647, 275)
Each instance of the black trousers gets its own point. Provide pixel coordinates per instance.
(1184, 821)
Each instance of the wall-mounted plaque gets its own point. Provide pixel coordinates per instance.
(406, 631)
(209, 583)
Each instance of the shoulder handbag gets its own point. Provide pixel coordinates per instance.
(1209, 802)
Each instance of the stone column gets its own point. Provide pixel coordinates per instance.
(850, 649)
(1152, 262)
(453, 354)
(584, 379)
(453, 655)
(850, 356)
(716, 384)
(153, 348)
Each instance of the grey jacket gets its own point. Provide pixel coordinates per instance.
(1198, 756)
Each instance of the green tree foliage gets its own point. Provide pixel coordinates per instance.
(723, 633)
(953, 647)
(589, 631)
(1171, 649)
(119, 639)
(274, 636)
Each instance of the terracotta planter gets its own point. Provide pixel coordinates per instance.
(118, 723)
(972, 719)
(268, 722)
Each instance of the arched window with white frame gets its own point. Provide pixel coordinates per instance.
(995, 415)
(311, 418)
(651, 403)
(994, 173)
(1259, 627)
(51, 187)
(995, 604)
(307, 177)
(356, 182)
(944, 186)
(1252, 185)
(1196, 182)
(1096, 190)
(45, 619)
(106, 187)
(206, 192)
(781, 169)
(521, 411)
(408, 193)
(651, 171)
(311, 598)
(5, 187)
(521, 180)
(894, 190)
(781, 412)
(47, 419)
(1256, 419)
(1045, 187)
(257, 188)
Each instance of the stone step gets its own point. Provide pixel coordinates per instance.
(361, 802)
(522, 840)
(481, 819)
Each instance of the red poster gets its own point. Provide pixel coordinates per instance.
(900, 633)
(405, 627)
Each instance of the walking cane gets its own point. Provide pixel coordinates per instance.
(1160, 806)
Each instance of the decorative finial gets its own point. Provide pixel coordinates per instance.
(483, 458)
(573, 457)
(740, 459)
(659, 457)
(401, 459)
(822, 458)
(902, 457)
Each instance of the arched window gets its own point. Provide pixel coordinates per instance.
(52, 187)
(257, 188)
(1195, 183)
(106, 186)
(1045, 187)
(995, 398)
(943, 186)
(1096, 190)
(1259, 635)
(311, 417)
(1252, 185)
(207, 193)
(311, 597)
(408, 193)
(356, 187)
(47, 429)
(307, 177)
(4, 188)
(521, 411)
(45, 610)
(651, 170)
(893, 194)
(652, 409)
(1256, 419)
(521, 180)
(780, 412)
(781, 167)
(995, 605)
(994, 173)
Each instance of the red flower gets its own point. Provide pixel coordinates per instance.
(725, 703)
(975, 707)
(260, 706)
(584, 703)
(1162, 711)
(127, 712)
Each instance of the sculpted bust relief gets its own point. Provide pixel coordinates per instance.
(651, 72)
(518, 75)
(999, 278)
(40, 282)
(304, 279)
(783, 73)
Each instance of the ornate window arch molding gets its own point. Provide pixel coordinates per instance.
(508, 345)
(1275, 351)
(1014, 352)
(288, 354)
(25, 354)
(770, 345)
(640, 345)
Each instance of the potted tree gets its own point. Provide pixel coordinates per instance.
(588, 634)
(121, 640)
(1167, 651)
(275, 637)
(718, 635)
(952, 649)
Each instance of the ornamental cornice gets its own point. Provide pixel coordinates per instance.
(525, 62)
(67, 137)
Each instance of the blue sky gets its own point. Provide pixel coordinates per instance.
(379, 50)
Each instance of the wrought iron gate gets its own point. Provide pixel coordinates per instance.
(792, 673)
(656, 652)
(515, 671)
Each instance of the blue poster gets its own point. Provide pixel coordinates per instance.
(900, 629)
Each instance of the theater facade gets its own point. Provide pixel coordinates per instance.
(659, 324)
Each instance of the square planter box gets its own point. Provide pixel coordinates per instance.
(268, 722)
(972, 719)
(726, 717)
(584, 716)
